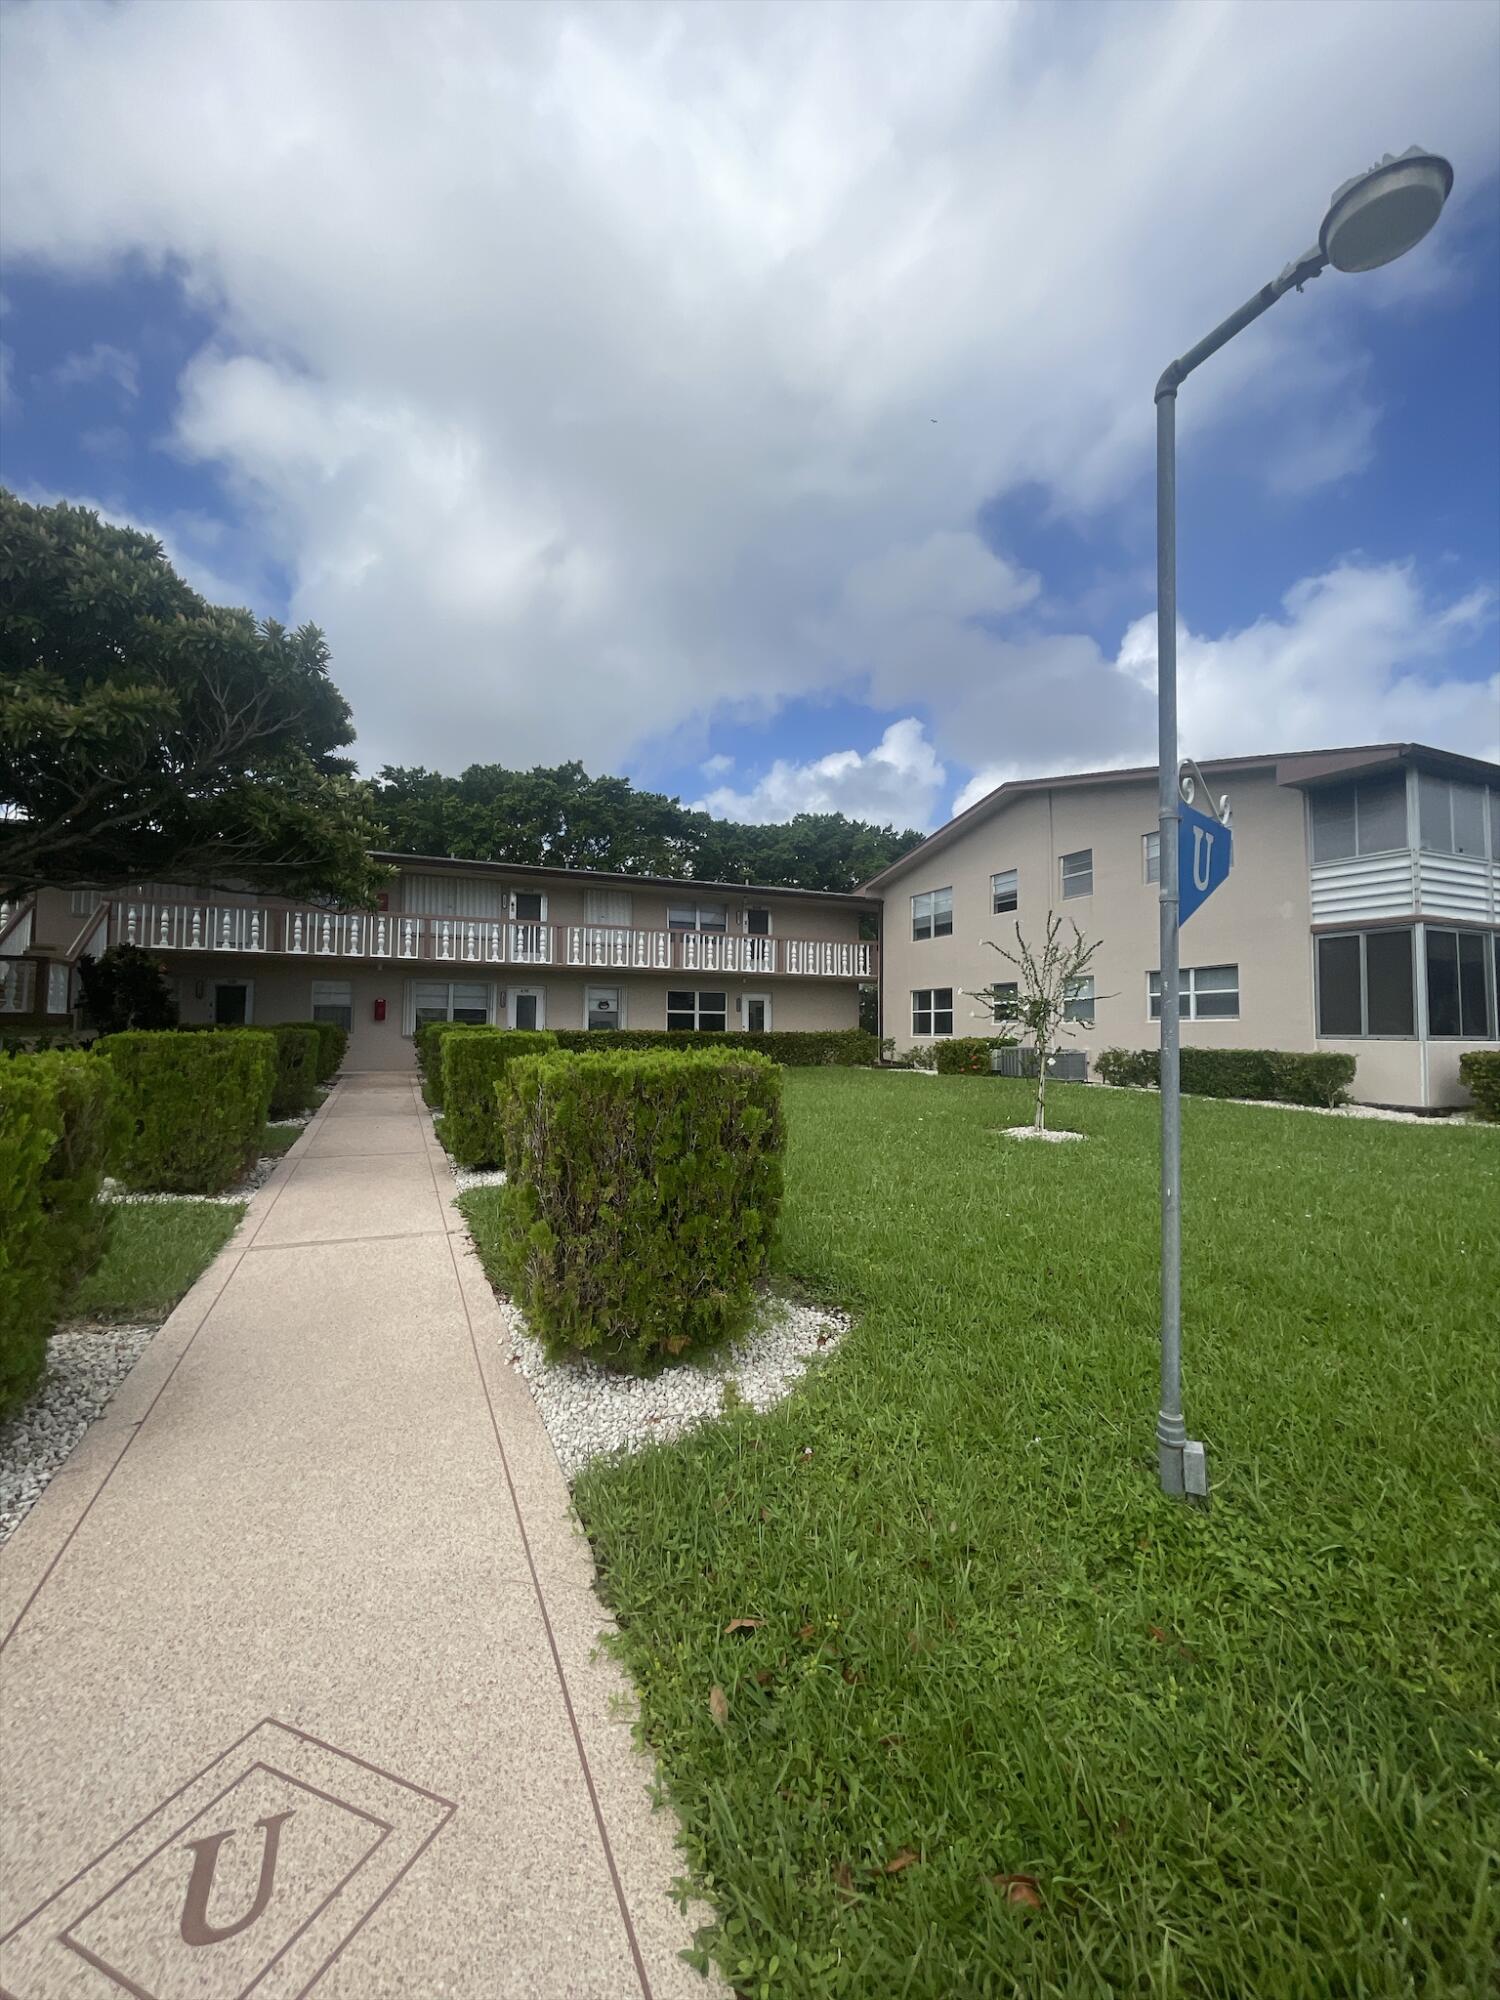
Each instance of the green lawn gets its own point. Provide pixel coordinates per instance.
(156, 1250)
(1251, 1752)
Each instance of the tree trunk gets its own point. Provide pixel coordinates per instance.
(1040, 1122)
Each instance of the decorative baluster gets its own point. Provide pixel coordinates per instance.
(255, 939)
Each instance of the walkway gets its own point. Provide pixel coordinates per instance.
(296, 1686)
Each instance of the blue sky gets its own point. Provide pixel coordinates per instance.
(756, 400)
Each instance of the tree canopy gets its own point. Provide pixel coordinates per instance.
(561, 817)
(148, 735)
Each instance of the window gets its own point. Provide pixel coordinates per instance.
(697, 917)
(57, 988)
(706, 1012)
(1151, 856)
(333, 1000)
(932, 914)
(1078, 1002)
(529, 906)
(1078, 873)
(470, 1000)
(83, 903)
(757, 923)
(1365, 984)
(601, 1008)
(607, 906)
(1004, 891)
(1005, 998)
(1453, 816)
(1460, 996)
(932, 1011)
(1367, 818)
(1204, 993)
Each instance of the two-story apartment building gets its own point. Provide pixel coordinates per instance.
(466, 941)
(1361, 913)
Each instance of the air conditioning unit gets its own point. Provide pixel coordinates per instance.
(1063, 1065)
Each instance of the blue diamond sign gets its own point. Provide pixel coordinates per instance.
(1204, 853)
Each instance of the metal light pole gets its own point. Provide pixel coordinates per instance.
(1371, 220)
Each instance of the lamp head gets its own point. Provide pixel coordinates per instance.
(1380, 215)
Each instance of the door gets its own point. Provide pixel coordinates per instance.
(601, 1007)
(234, 1002)
(528, 1007)
(756, 1013)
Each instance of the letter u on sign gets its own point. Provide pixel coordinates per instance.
(1205, 850)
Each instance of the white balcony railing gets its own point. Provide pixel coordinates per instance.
(254, 929)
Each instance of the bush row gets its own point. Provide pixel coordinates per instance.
(641, 1196)
(333, 1045)
(192, 1104)
(1479, 1071)
(473, 1067)
(969, 1055)
(796, 1048)
(57, 1126)
(1286, 1076)
(428, 1042)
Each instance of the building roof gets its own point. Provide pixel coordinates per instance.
(547, 873)
(1292, 767)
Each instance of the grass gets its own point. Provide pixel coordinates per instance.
(1248, 1751)
(278, 1139)
(156, 1250)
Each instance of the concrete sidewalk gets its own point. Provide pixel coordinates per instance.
(298, 1684)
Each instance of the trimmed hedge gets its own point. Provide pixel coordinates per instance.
(192, 1105)
(1479, 1071)
(642, 1195)
(333, 1045)
(473, 1066)
(1282, 1076)
(298, 1049)
(57, 1126)
(796, 1048)
(969, 1055)
(428, 1041)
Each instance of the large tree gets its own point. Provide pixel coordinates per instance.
(148, 735)
(564, 818)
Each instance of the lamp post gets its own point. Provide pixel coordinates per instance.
(1371, 220)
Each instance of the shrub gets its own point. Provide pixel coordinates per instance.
(642, 1196)
(124, 988)
(969, 1055)
(1283, 1076)
(796, 1048)
(298, 1048)
(56, 1130)
(429, 1040)
(333, 1045)
(1479, 1070)
(192, 1105)
(473, 1068)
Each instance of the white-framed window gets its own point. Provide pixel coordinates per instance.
(697, 917)
(1005, 891)
(528, 906)
(1078, 872)
(1205, 993)
(1364, 818)
(333, 1000)
(1366, 984)
(1453, 816)
(932, 914)
(1005, 998)
(1460, 985)
(706, 1012)
(470, 1000)
(84, 902)
(603, 1008)
(932, 1011)
(1151, 856)
(57, 987)
(757, 921)
(1078, 1002)
(607, 906)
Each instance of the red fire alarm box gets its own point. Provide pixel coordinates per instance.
(379, 1010)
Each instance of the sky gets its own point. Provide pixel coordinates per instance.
(756, 401)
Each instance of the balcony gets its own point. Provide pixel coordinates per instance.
(388, 939)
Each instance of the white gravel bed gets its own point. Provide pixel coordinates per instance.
(1357, 1111)
(1030, 1132)
(86, 1363)
(242, 1190)
(465, 1178)
(590, 1411)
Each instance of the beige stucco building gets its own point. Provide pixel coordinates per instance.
(1361, 913)
(463, 940)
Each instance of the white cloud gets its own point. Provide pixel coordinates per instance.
(899, 780)
(100, 363)
(580, 364)
(718, 766)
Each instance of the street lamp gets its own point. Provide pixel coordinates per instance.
(1371, 220)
